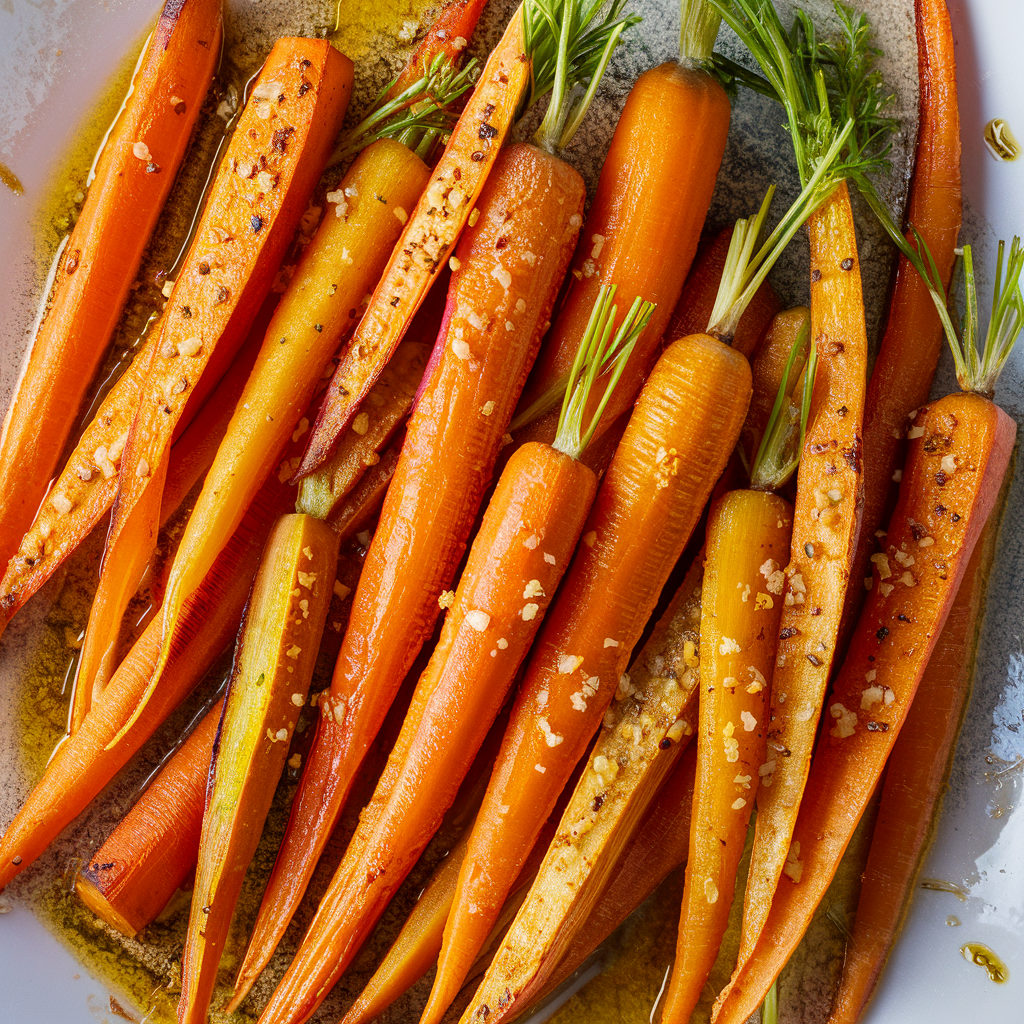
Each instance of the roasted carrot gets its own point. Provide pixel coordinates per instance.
(153, 849)
(274, 159)
(274, 660)
(643, 226)
(915, 778)
(905, 366)
(133, 176)
(525, 543)
(677, 443)
(639, 744)
(960, 451)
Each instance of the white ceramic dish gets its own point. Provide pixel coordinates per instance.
(56, 56)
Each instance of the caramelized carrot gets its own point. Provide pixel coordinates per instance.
(903, 371)
(133, 177)
(275, 156)
(153, 849)
(510, 264)
(677, 443)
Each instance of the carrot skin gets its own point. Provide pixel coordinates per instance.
(748, 535)
(642, 230)
(245, 227)
(902, 375)
(103, 254)
(826, 521)
(677, 443)
(904, 614)
(153, 849)
(534, 202)
(430, 233)
(915, 778)
(502, 596)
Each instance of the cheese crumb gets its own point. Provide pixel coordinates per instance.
(549, 558)
(609, 642)
(568, 663)
(739, 803)
(552, 739)
(141, 151)
(710, 890)
(487, 408)
(728, 646)
(529, 612)
(298, 700)
(748, 720)
(502, 644)
(478, 620)
(294, 651)
(341, 591)
(361, 424)
(533, 589)
(447, 599)
(307, 579)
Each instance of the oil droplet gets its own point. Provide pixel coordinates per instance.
(1000, 140)
(953, 921)
(978, 953)
(10, 179)
(941, 885)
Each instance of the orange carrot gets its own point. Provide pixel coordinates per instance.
(903, 371)
(510, 264)
(133, 177)
(915, 778)
(129, 880)
(678, 440)
(275, 156)
(432, 230)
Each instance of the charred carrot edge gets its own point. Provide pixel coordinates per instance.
(84, 763)
(486, 636)
(647, 506)
(130, 879)
(134, 175)
(912, 343)
(431, 232)
(274, 159)
(274, 660)
(697, 301)
(638, 746)
(928, 551)
(339, 266)
(741, 604)
(826, 521)
(643, 226)
(534, 202)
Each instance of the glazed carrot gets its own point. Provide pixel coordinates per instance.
(525, 543)
(274, 660)
(133, 176)
(677, 443)
(643, 226)
(915, 778)
(532, 205)
(432, 230)
(960, 451)
(363, 502)
(129, 880)
(639, 744)
(903, 371)
(109, 736)
(274, 159)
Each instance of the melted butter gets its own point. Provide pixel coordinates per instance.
(1000, 140)
(980, 954)
(10, 179)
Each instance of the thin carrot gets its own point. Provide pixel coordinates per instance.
(274, 159)
(905, 366)
(274, 660)
(133, 177)
(130, 879)
(960, 451)
(643, 226)
(677, 443)
(639, 744)
(364, 501)
(525, 543)
(915, 778)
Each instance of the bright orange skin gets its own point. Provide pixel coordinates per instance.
(902, 375)
(650, 205)
(153, 850)
(102, 255)
(542, 494)
(678, 440)
(904, 614)
(432, 230)
(531, 204)
(239, 242)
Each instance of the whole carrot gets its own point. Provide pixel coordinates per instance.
(133, 177)
(959, 454)
(275, 156)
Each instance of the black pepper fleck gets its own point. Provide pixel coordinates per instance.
(881, 634)
(257, 224)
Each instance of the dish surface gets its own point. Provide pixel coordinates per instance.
(57, 57)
